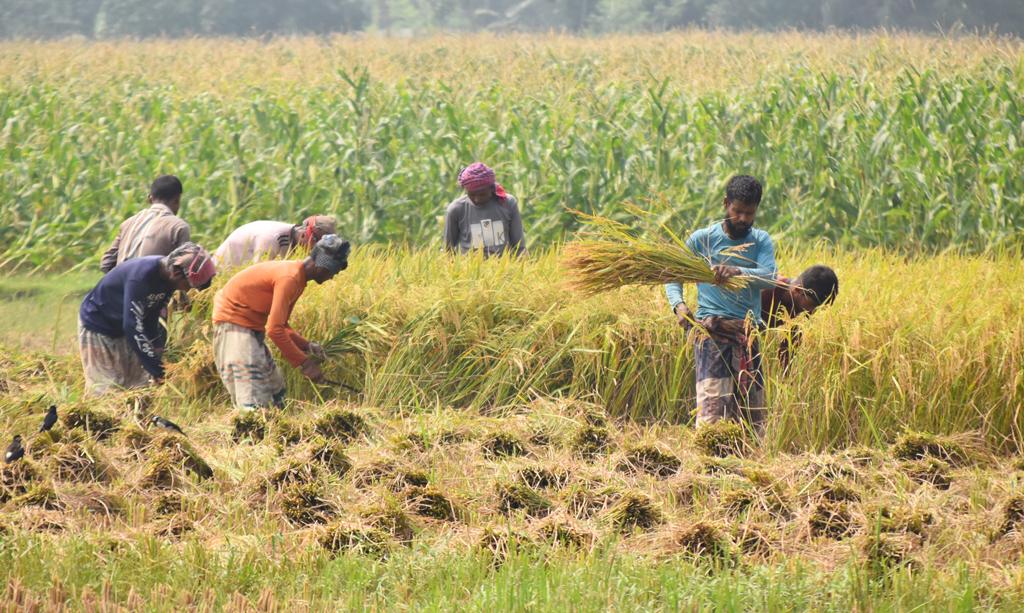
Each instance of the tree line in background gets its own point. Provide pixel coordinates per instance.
(172, 18)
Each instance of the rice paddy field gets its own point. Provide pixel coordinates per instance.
(503, 440)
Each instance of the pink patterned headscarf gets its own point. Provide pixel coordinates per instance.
(479, 176)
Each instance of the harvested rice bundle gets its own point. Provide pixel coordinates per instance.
(610, 256)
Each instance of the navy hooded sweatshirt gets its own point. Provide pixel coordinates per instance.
(126, 303)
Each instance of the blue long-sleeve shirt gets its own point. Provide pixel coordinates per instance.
(126, 303)
(754, 254)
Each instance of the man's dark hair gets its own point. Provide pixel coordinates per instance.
(166, 188)
(820, 282)
(745, 189)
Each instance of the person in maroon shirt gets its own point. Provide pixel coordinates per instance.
(815, 287)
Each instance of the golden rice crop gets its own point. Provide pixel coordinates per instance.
(611, 257)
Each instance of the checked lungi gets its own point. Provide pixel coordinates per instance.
(730, 384)
(110, 364)
(246, 367)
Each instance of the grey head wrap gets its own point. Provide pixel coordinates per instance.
(331, 253)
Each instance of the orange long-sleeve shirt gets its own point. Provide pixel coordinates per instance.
(261, 298)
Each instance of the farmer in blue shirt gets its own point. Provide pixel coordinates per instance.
(727, 358)
(119, 333)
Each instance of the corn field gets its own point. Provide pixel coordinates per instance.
(885, 149)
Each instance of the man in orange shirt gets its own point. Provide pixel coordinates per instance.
(256, 303)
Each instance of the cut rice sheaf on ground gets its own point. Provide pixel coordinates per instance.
(430, 502)
(720, 439)
(634, 511)
(98, 424)
(518, 497)
(651, 460)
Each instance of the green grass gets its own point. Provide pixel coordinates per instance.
(41, 312)
(164, 577)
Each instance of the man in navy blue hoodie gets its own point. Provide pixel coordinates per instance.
(119, 333)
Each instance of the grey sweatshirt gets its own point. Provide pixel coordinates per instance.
(495, 227)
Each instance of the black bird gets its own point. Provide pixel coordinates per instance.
(50, 419)
(166, 424)
(15, 451)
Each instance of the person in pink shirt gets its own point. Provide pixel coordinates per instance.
(269, 240)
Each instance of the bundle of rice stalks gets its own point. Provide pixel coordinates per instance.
(502, 445)
(829, 469)
(39, 495)
(341, 424)
(651, 460)
(354, 537)
(928, 470)
(195, 373)
(501, 542)
(396, 478)
(703, 540)
(756, 540)
(590, 441)
(831, 519)
(249, 427)
(286, 432)
(514, 497)
(610, 256)
(1013, 516)
(541, 478)
(884, 552)
(920, 445)
(169, 503)
(44, 442)
(329, 454)
(97, 423)
(16, 478)
(839, 491)
(133, 437)
(634, 511)
(720, 439)
(584, 503)
(303, 504)
(429, 502)
(906, 520)
(391, 519)
(766, 497)
(564, 532)
(170, 456)
(722, 466)
(79, 462)
(295, 470)
(736, 501)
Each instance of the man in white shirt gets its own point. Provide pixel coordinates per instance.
(262, 240)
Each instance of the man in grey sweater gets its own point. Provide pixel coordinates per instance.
(156, 230)
(485, 219)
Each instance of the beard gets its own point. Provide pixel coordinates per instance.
(736, 231)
